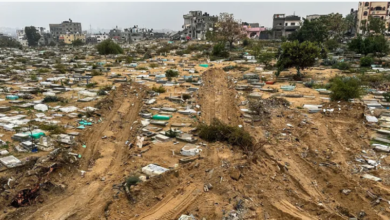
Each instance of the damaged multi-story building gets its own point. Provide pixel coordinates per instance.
(197, 24)
(252, 30)
(284, 25)
(66, 27)
(45, 38)
(136, 34)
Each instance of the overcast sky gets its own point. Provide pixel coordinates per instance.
(153, 15)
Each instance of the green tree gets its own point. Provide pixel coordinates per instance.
(171, 73)
(336, 25)
(298, 55)
(109, 47)
(345, 88)
(331, 44)
(376, 25)
(9, 42)
(219, 50)
(266, 58)
(375, 44)
(210, 35)
(77, 42)
(314, 31)
(366, 61)
(32, 36)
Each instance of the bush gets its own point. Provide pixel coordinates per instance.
(51, 99)
(53, 128)
(220, 51)
(60, 68)
(341, 66)
(141, 68)
(153, 65)
(91, 85)
(366, 61)
(160, 89)
(329, 62)
(387, 96)
(186, 96)
(171, 73)
(219, 131)
(34, 77)
(43, 70)
(171, 133)
(132, 181)
(345, 88)
(109, 47)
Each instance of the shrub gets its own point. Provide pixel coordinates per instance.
(132, 181)
(219, 131)
(141, 68)
(387, 96)
(43, 70)
(366, 61)
(51, 99)
(220, 51)
(109, 47)
(60, 68)
(329, 62)
(171, 133)
(345, 88)
(171, 73)
(341, 66)
(153, 65)
(160, 89)
(34, 77)
(91, 85)
(53, 128)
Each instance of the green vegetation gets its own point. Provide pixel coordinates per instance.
(9, 42)
(219, 131)
(51, 99)
(376, 44)
(153, 65)
(341, 66)
(171, 73)
(239, 68)
(220, 51)
(33, 77)
(77, 43)
(132, 181)
(366, 61)
(345, 88)
(298, 55)
(141, 68)
(53, 128)
(266, 58)
(228, 30)
(91, 85)
(32, 36)
(43, 70)
(109, 47)
(186, 96)
(171, 133)
(96, 73)
(60, 68)
(160, 89)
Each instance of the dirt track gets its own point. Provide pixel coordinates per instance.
(87, 197)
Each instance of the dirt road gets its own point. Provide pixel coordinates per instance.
(87, 197)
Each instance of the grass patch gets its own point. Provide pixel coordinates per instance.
(52, 128)
(160, 89)
(219, 131)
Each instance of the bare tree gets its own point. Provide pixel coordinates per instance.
(228, 29)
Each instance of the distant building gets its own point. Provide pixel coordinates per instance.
(22, 39)
(69, 38)
(252, 30)
(197, 24)
(136, 34)
(353, 31)
(66, 27)
(116, 34)
(96, 38)
(375, 9)
(285, 25)
(313, 17)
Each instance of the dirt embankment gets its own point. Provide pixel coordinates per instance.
(218, 98)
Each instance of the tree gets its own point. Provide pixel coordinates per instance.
(219, 50)
(171, 73)
(109, 47)
(77, 42)
(314, 31)
(32, 36)
(345, 88)
(350, 22)
(266, 58)
(375, 44)
(298, 55)
(331, 44)
(228, 29)
(366, 61)
(9, 42)
(335, 24)
(376, 25)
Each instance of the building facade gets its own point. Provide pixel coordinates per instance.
(197, 24)
(66, 27)
(69, 38)
(252, 30)
(374, 9)
(313, 17)
(284, 25)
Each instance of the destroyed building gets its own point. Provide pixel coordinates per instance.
(284, 25)
(197, 24)
(66, 27)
